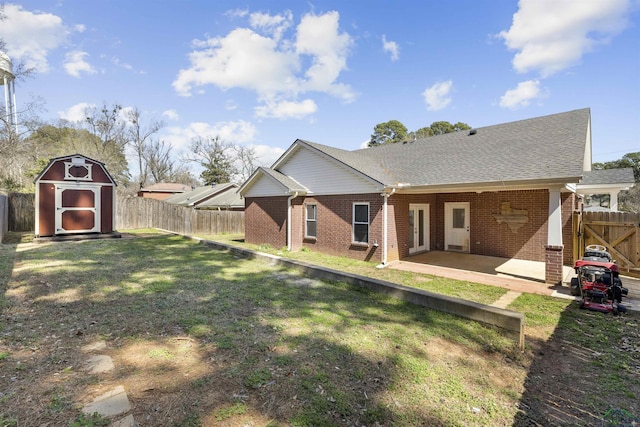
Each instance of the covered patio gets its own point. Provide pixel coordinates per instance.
(514, 274)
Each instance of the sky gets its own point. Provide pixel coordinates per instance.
(263, 74)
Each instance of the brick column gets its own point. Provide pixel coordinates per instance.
(553, 264)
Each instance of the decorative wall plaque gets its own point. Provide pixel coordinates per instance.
(515, 218)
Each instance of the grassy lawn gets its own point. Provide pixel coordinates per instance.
(203, 337)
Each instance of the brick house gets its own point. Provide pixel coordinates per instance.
(507, 190)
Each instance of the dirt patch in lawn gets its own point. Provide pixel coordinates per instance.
(202, 337)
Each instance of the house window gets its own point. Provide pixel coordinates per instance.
(311, 229)
(361, 222)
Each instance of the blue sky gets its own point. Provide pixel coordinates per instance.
(262, 74)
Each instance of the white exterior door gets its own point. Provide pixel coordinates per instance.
(456, 223)
(77, 208)
(418, 228)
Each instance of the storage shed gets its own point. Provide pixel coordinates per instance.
(74, 195)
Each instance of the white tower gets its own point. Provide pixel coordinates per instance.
(7, 79)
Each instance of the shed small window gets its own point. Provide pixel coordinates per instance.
(361, 222)
(311, 228)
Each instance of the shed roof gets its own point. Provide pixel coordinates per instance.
(69, 157)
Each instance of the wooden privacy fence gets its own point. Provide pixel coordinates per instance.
(619, 232)
(4, 215)
(22, 212)
(138, 212)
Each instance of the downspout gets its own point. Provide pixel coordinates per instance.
(385, 222)
(293, 196)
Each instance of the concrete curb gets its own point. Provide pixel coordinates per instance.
(510, 321)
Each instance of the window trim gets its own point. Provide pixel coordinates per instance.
(354, 223)
(307, 220)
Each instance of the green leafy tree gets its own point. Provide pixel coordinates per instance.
(215, 156)
(440, 128)
(388, 132)
(424, 132)
(394, 131)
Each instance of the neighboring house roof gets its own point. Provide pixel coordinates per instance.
(166, 187)
(606, 181)
(608, 176)
(199, 194)
(226, 200)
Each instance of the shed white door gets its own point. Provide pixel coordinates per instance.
(77, 208)
(456, 226)
(418, 228)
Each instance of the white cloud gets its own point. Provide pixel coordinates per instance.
(318, 36)
(30, 36)
(80, 28)
(287, 109)
(437, 96)
(171, 114)
(267, 155)
(76, 113)
(237, 13)
(237, 132)
(242, 59)
(522, 95)
(391, 47)
(75, 64)
(261, 59)
(552, 35)
(274, 25)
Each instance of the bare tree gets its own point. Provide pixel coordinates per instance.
(106, 124)
(139, 135)
(246, 159)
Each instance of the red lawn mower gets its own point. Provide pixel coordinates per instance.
(598, 282)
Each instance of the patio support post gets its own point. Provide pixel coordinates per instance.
(554, 247)
(613, 200)
(385, 225)
(289, 243)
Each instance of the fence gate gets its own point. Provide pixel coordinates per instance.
(619, 232)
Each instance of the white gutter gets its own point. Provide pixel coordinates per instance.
(289, 219)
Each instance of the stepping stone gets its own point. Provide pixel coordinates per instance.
(506, 299)
(114, 402)
(96, 346)
(127, 421)
(99, 363)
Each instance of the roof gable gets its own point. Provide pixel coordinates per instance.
(58, 169)
(269, 182)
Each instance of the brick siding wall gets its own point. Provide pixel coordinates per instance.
(266, 221)
(334, 230)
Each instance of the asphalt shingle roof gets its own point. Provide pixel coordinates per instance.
(541, 148)
(289, 183)
(229, 198)
(608, 176)
(197, 194)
